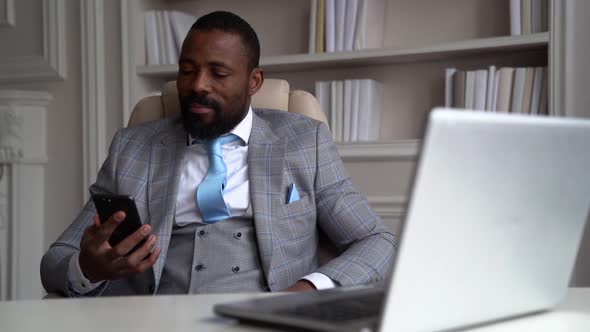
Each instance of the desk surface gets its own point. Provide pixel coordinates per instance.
(194, 313)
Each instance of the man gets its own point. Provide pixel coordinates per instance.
(282, 182)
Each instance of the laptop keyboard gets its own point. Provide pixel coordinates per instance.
(360, 307)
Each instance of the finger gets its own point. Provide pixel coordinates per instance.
(96, 221)
(125, 246)
(124, 269)
(149, 262)
(90, 231)
(140, 254)
(105, 230)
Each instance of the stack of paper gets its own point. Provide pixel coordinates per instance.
(514, 90)
(346, 25)
(164, 33)
(528, 16)
(353, 108)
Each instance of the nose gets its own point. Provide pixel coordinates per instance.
(201, 83)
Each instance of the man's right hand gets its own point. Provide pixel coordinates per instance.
(99, 261)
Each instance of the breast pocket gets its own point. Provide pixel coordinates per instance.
(298, 218)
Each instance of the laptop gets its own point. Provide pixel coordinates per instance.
(497, 211)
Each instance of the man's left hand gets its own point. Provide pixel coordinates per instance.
(301, 286)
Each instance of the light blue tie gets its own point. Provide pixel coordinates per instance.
(210, 191)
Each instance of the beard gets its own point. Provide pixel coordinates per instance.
(222, 123)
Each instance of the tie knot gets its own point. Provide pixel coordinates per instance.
(214, 145)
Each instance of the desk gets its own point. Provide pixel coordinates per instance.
(194, 313)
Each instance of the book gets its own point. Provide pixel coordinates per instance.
(459, 89)
(347, 111)
(544, 105)
(480, 90)
(518, 90)
(333, 109)
(161, 38)
(320, 27)
(544, 15)
(169, 42)
(340, 13)
(330, 27)
(354, 129)
(536, 94)
(375, 110)
(181, 24)
(449, 73)
(525, 16)
(313, 19)
(151, 38)
(339, 110)
(505, 82)
(490, 88)
(370, 24)
(528, 90)
(322, 93)
(536, 16)
(515, 22)
(350, 24)
(494, 107)
(470, 89)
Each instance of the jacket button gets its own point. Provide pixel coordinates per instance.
(238, 235)
(199, 267)
(235, 269)
(202, 233)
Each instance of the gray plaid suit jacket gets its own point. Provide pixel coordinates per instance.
(284, 148)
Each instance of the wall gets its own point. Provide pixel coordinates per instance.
(64, 170)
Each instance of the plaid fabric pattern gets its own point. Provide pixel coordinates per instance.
(284, 148)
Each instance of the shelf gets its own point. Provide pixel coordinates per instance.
(301, 62)
(380, 151)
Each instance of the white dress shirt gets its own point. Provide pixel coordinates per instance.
(236, 195)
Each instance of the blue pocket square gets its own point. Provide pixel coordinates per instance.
(292, 194)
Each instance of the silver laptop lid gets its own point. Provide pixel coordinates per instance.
(496, 216)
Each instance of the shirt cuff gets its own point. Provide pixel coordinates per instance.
(77, 280)
(320, 281)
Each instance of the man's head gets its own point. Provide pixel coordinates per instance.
(217, 74)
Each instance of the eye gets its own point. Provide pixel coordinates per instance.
(220, 74)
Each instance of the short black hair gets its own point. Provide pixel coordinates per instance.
(230, 22)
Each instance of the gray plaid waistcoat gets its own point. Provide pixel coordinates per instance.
(213, 258)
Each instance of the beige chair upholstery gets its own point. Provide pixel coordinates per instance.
(274, 94)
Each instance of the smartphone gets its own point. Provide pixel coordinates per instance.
(107, 205)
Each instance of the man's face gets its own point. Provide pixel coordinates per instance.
(214, 83)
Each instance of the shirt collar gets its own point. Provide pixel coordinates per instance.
(242, 129)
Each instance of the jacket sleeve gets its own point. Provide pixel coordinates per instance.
(344, 215)
(55, 262)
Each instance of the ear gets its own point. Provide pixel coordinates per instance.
(256, 80)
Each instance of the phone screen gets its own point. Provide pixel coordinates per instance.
(108, 204)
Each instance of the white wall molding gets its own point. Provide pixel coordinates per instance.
(49, 66)
(7, 19)
(22, 191)
(127, 60)
(93, 90)
(392, 209)
(380, 151)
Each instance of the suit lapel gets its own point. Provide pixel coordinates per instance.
(266, 153)
(164, 177)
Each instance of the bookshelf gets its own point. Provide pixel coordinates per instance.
(421, 39)
(375, 57)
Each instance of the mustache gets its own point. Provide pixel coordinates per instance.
(200, 99)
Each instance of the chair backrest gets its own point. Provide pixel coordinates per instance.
(274, 94)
